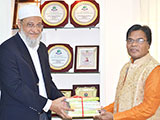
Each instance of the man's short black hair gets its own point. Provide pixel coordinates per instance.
(144, 28)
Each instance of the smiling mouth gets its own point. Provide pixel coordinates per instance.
(133, 50)
(34, 34)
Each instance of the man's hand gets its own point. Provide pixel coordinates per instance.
(104, 115)
(59, 106)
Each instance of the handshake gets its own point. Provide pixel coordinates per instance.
(76, 106)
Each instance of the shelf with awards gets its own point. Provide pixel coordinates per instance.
(82, 13)
(59, 14)
(86, 39)
(74, 28)
(86, 58)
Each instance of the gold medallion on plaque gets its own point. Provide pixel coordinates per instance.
(60, 57)
(54, 13)
(84, 13)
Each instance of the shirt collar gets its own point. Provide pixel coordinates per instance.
(140, 60)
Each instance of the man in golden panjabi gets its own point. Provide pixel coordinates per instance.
(138, 90)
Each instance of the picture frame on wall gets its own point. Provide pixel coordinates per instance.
(91, 90)
(86, 58)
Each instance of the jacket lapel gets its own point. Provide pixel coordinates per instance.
(25, 54)
(42, 58)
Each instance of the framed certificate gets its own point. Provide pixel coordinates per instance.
(84, 13)
(60, 57)
(86, 59)
(86, 90)
(54, 13)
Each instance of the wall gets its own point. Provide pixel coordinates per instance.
(5, 21)
(116, 17)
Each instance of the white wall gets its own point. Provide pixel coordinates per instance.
(116, 17)
(5, 20)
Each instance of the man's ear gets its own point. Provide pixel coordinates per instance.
(148, 46)
(19, 23)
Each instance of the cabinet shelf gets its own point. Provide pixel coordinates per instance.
(16, 29)
(74, 28)
(75, 72)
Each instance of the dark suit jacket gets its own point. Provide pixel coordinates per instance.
(19, 98)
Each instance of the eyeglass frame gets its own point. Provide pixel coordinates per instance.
(139, 41)
(31, 25)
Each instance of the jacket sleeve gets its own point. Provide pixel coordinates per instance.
(110, 107)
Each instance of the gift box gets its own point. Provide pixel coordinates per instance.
(83, 106)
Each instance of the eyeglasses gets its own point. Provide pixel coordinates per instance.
(139, 41)
(31, 25)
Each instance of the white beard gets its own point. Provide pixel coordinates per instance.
(31, 42)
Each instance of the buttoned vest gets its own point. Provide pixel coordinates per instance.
(130, 89)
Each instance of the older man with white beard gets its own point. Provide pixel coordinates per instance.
(28, 92)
